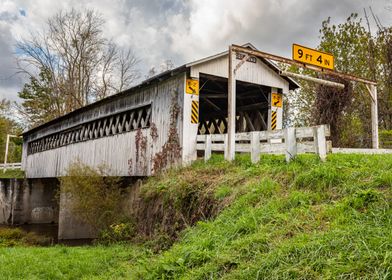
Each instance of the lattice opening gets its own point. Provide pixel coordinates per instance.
(106, 126)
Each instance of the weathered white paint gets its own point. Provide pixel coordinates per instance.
(321, 142)
(231, 110)
(118, 151)
(361, 151)
(374, 114)
(189, 133)
(257, 73)
(255, 147)
(291, 143)
(207, 150)
(279, 115)
(297, 141)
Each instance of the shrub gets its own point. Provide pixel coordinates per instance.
(117, 232)
(15, 236)
(94, 196)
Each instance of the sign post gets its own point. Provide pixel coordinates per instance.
(317, 61)
(230, 145)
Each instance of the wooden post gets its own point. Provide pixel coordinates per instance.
(207, 148)
(290, 140)
(231, 115)
(321, 142)
(6, 153)
(375, 143)
(226, 145)
(255, 146)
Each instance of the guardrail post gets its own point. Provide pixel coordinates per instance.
(290, 140)
(226, 145)
(207, 147)
(255, 146)
(321, 142)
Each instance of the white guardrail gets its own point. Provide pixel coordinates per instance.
(16, 165)
(289, 141)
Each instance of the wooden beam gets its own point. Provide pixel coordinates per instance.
(213, 96)
(312, 79)
(212, 104)
(249, 121)
(250, 107)
(265, 126)
(240, 63)
(374, 114)
(236, 48)
(230, 143)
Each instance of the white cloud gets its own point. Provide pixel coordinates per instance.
(183, 30)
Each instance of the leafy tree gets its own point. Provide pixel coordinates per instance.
(349, 43)
(71, 64)
(356, 52)
(39, 104)
(383, 43)
(9, 126)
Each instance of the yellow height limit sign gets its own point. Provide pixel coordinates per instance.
(313, 57)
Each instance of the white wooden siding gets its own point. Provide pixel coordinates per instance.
(256, 73)
(116, 151)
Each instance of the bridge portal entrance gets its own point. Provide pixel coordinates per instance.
(252, 106)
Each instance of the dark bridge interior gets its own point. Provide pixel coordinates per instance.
(251, 106)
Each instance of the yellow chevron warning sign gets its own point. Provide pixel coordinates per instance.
(195, 112)
(192, 86)
(277, 100)
(274, 117)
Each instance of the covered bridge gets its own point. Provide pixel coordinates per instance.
(155, 124)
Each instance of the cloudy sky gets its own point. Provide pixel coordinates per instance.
(182, 30)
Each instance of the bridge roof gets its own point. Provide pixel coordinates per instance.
(157, 78)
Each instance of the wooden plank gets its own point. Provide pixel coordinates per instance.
(361, 151)
(226, 147)
(306, 147)
(255, 147)
(305, 132)
(207, 152)
(291, 143)
(218, 137)
(200, 146)
(243, 148)
(262, 120)
(213, 105)
(249, 121)
(276, 149)
(231, 116)
(243, 136)
(321, 143)
(374, 114)
(274, 134)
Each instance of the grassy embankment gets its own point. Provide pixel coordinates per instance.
(11, 174)
(304, 220)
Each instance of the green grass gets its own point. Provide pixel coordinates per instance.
(11, 174)
(303, 220)
(60, 262)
